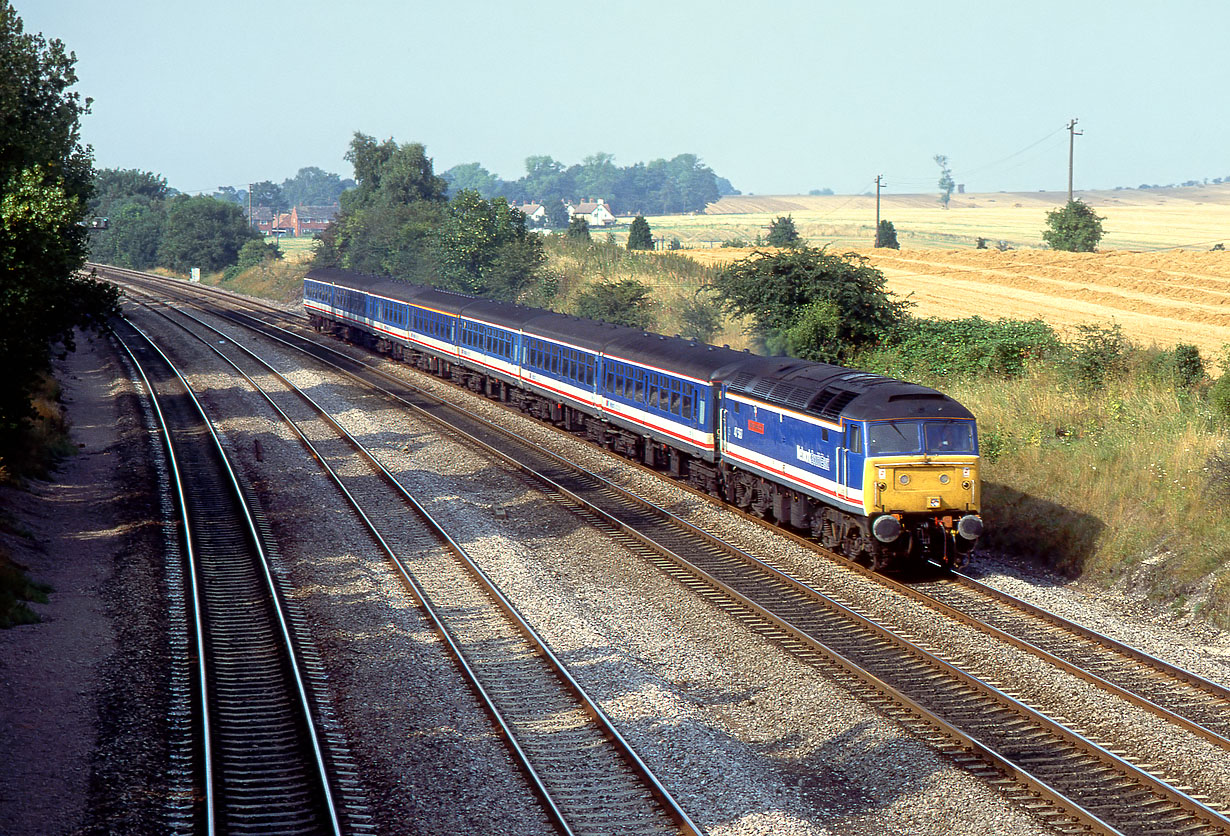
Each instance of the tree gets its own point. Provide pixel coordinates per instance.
(268, 193)
(640, 237)
(946, 183)
(203, 232)
(474, 177)
(557, 214)
(886, 236)
(774, 291)
(625, 302)
(578, 229)
(1075, 228)
(782, 233)
(484, 248)
(312, 186)
(45, 186)
(388, 223)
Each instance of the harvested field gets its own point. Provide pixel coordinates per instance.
(1162, 298)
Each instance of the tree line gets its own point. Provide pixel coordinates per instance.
(659, 187)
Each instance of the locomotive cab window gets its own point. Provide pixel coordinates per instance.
(854, 438)
(949, 436)
(890, 437)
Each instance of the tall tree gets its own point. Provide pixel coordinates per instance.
(484, 248)
(312, 186)
(474, 177)
(946, 183)
(640, 237)
(268, 193)
(45, 185)
(203, 232)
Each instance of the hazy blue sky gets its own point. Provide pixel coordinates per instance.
(779, 97)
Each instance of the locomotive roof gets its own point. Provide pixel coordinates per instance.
(835, 391)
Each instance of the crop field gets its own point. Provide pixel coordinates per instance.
(1135, 219)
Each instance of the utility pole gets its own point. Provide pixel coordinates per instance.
(1072, 135)
(879, 182)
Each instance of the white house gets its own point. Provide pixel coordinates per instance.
(597, 212)
(535, 213)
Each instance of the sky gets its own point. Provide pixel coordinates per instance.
(779, 98)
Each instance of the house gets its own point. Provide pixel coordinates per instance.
(262, 219)
(300, 221)
(535, 213)
(597, 212)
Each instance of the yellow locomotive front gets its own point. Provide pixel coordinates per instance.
(921, 487)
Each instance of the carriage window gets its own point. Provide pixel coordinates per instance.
(687, 407)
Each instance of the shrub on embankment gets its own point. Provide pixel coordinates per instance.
(1101, 458)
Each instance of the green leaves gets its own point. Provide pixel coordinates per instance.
(775, 291)
(483, 247)
(640, 237)
(1075, 228)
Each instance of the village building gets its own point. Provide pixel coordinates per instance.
(597, 212)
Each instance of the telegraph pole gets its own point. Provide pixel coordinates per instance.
(879, 182)
(1072, 135)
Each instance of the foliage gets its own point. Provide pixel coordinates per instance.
(45, 184)
(388, 224)
(484, 248)
(782, 233)
(945, 183)
(681, 184)
(625, 302)
(944, 349)
(268, 193)
(886, 236)
(773, 290)
(202, 232)
(1075, 228)
(700, 317)
(312, 186)
(640, 237)
(1097, 354)
(557, 215)
(1188, 367)
(578, 229)
(1219, 398)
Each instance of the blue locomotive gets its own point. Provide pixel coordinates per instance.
(879, 470)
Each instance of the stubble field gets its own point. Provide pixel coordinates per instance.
(1155, 276)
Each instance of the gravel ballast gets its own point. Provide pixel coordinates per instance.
(750, 739)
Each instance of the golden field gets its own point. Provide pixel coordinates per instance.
(1195, 217)
(1157, 296)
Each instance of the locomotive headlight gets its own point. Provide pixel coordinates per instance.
(943, 478)
(905, 479)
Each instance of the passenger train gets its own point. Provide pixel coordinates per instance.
(882, 471)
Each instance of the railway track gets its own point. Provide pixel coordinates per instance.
(259, 763)
(590, 781)
(1026, 754)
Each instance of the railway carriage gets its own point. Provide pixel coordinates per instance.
(878, 469)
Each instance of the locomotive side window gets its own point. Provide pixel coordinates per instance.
(854, 438)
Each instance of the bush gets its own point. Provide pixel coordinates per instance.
(1097, 354)
(1188, 367)
(886, 236)
(1219, 398)
(625, 302)
(1074, 228)
(971, 347)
